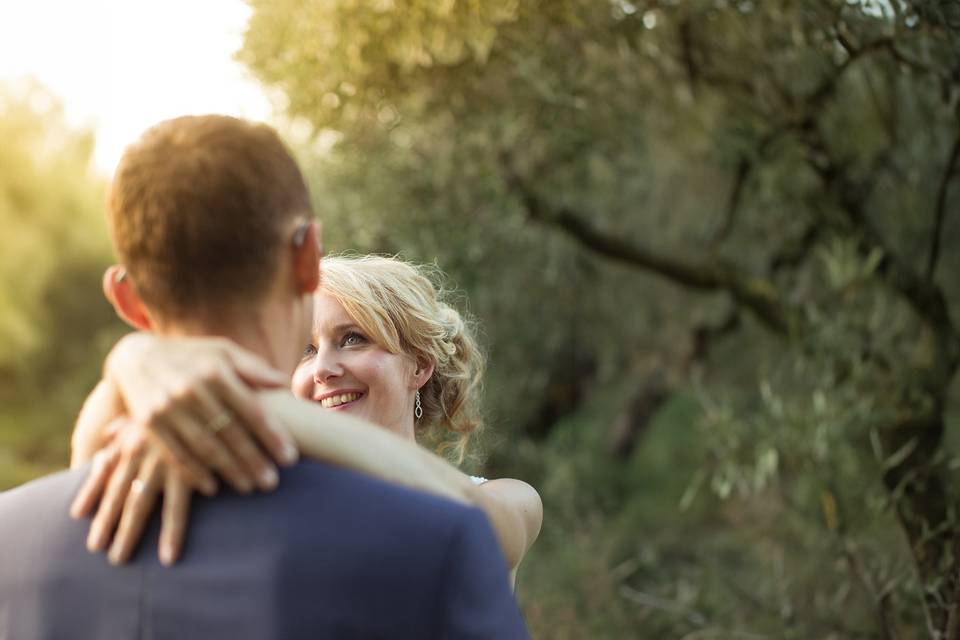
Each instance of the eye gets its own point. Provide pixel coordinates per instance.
(351, 339)
(309, 351)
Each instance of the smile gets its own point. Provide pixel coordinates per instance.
(336, 400)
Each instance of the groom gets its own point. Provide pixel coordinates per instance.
(210, 216)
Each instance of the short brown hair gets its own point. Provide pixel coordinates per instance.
(198, 212)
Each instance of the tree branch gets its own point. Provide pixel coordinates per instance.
(915, 483)
(733, 203)
(926, 299)
(885, 43)
(754, 293)
(659, 385)
(941, 208)
(876, 597)
(705, 336)
(687, 53)
(792, 254)
(920, 498)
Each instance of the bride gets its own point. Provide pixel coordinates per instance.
(385, 349)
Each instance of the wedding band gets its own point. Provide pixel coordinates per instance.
(137, 486)
(219, 423)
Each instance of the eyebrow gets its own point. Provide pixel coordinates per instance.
(343, 327)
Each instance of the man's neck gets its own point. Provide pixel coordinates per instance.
(265, 333)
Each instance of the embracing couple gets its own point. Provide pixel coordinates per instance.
(186, 454)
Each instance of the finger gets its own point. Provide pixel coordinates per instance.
(251, 456)
(176, 509)
(103, 463)
(246, 407)
(202, 479)
(141, 499)
(112, 429)
(242, 445)
(108, 512)
(217, 453)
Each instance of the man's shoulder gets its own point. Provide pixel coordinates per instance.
(35, 515)
(308, 487)
(59, 486)
(326, 487)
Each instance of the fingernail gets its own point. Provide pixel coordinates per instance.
(244, 486)
(268, 479)
(209, 487)
(290, 453)
(166, 555)
(114, 557)
(93, 541)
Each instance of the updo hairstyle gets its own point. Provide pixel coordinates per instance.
(398, 306)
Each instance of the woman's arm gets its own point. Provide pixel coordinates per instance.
(92, 430)
(516, 512)
(348, 442)
(513, 507)
(100, 420)
(169, 385)
(195, 396)
(126, 479)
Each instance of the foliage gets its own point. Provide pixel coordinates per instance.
(53, 326)
(746, 201)
(711, 246)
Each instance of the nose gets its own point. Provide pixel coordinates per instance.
(326, 365)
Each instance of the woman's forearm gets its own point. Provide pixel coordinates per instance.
(512, 506)
(348, 442)
(90, 434)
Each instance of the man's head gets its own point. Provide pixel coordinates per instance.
(203, 211)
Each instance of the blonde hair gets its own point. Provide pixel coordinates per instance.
(401, 309)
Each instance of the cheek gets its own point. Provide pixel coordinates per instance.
(302, 383)
(387, 374)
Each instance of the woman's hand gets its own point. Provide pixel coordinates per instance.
(196, 395)
(126, 479)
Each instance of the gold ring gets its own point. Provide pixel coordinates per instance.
(220, 422)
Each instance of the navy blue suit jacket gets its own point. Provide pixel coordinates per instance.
(329, 554)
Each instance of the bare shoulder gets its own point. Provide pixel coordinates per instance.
(522, 497)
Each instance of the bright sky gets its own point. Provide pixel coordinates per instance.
(123, 65)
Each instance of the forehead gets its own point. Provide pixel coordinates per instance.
(328, 313)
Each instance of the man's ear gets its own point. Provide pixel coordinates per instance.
(423, 371)
(306, 260)
(119, 292)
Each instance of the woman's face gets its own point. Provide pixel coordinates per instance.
(344, 370)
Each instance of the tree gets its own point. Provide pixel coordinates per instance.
(54, 327)
(785, 168)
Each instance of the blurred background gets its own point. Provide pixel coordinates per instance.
(712, 245)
